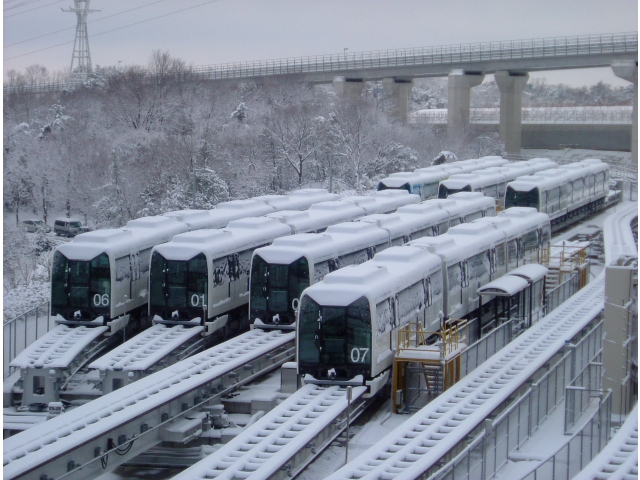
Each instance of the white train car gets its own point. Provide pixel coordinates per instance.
(527, 234)
(566, 194)
(95, 290)
(425, 181)
(290, 265)
(492, 182)
(202, 276)
(347, 323)
(217, 292)
(281, 271)
(102, 275)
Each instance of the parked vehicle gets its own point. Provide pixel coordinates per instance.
(33, 225)
(68, 227)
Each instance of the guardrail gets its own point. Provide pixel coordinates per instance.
(569, 461)
(401, 57)
(489, 450)
(538, 115)
(22, 331)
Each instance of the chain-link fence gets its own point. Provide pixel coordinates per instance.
(20, 332)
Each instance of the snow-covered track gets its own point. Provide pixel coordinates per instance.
(418, 444)
(285, 440)
(618, 237)
(619, 458)
(96, 437)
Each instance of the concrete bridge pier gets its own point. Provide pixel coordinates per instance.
(459, 103)
(628, 70)
(398, 90)
(348, 87)
(511, 86)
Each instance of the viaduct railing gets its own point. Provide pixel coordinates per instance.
(537, 48)
(614, 115)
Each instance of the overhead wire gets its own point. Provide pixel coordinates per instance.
(115, 29)
(17, 4)
(90, 22)
(30, 10)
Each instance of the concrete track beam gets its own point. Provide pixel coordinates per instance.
(459, 102)
(628, 70)
(348, 87)
(398, 90)
(511, 87)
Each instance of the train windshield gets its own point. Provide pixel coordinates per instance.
(406, 186)
(82, 286)
(335, 341)
(178, 287)
(516, 198)
(273, 288)
(444, 192)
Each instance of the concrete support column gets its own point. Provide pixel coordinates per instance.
(629, 71)
(348, 87)
(459, 102)
(511, 87)
(398, 90)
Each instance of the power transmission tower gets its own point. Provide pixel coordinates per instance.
(81, 53)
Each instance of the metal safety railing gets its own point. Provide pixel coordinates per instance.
(614, 115)
(581, 449)
(401, 57)
(581, 392)
(23, 330)
(498, 438)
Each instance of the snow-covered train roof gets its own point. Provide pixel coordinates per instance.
(473, 199)
(384, 201)
(424, 176)
(405, 222)
(388, 272)
(337, 240)
(137, 235)
(547, 179)
(516, 221)
(460, 207)
(460, 242)
(319, 216)
(493, 176)
(437, 173)
(298, 199)
(215, 243)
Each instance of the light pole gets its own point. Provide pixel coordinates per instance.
(197, 170)
(345, 53)
(331, 155)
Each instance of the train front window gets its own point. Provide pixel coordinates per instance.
(80, 286)
(178, 286)
(336, 338)
(516, 198)
(444, 192)
(274, 287)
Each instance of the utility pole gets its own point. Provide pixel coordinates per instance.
(81, 45)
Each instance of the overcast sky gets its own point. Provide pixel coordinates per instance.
(204, 32)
